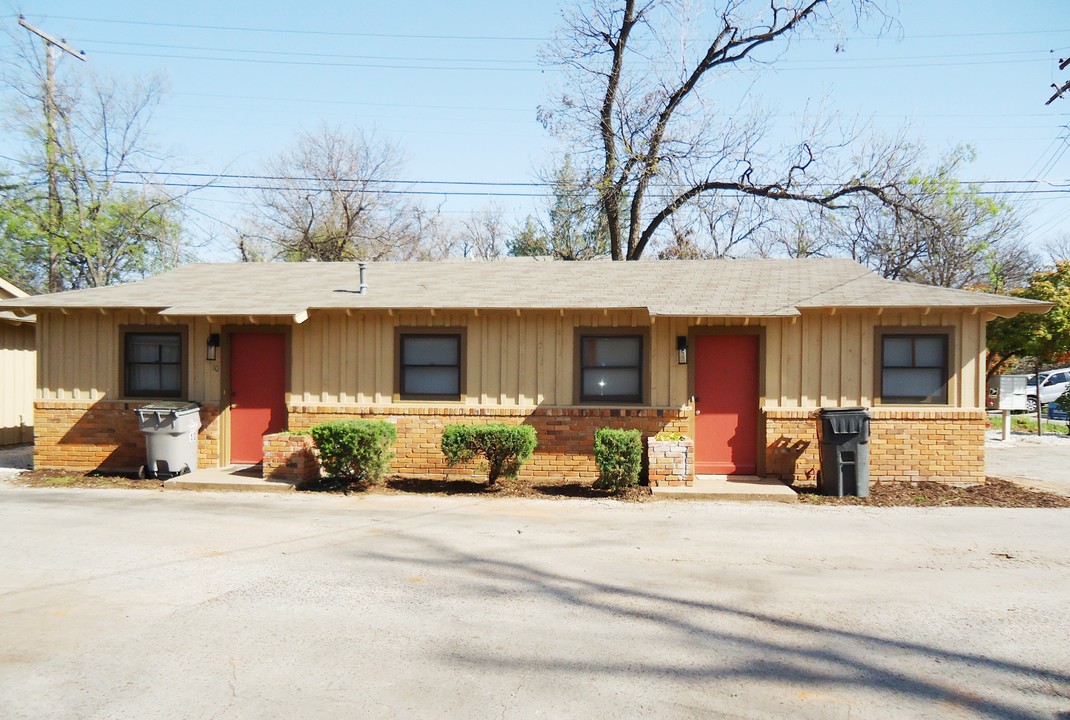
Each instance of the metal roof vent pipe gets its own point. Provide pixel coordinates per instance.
(363, 285)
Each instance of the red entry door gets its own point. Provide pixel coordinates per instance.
(257, 392)
(726, 404)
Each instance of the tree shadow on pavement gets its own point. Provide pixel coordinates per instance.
(728, 642)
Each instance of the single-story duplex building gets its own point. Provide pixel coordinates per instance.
(18, 370)
(736, 354)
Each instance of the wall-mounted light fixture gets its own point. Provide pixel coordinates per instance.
(213, 346)
(681, 349)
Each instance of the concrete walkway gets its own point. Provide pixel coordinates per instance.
(235, 478)
(730, 487)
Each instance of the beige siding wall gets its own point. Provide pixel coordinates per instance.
(18, 372)
(525, 360)
(825, 359)
(81, 361)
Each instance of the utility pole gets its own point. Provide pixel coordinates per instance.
(55, 208)
(1063, 64)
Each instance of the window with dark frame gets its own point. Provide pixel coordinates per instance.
(611, 368)
(914, 368)
(153, 364)
(430, 366)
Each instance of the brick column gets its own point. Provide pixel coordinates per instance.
(290, 458)
(671, 462)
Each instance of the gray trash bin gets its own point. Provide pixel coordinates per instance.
(844, 436)
(170, 429)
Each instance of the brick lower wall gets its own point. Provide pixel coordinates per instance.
(944, 445)
(566, 435)
(905, 444)
(80, 435)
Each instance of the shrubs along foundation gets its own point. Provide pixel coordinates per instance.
(505, 447)
(355, 450)
(619, 455)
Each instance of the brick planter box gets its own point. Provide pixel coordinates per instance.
(290, 458)
(671, 462)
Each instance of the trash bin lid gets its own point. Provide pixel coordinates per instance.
(844, 411)
(178, 407)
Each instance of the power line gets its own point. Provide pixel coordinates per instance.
(287, 53)
(403, 58)
(362, 103)
(299, 63)
(1061, 186)
(486, 193)
(337, 33)
(292, 31)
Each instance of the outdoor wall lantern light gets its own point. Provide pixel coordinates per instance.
(213, 346)
(681, 349)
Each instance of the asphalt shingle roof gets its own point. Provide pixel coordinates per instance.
(7, 290)
(741, 288)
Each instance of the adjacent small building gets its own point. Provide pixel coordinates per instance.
(18, 371)
(736, 354)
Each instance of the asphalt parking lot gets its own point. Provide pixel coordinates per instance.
(1040, 461)
(142, 604)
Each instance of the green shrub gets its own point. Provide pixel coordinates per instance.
(619, 454)
(355, 449)
(505, 447)
(665, 435)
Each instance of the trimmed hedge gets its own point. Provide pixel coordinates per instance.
(619, 455)
(505, 447)
(355, 449)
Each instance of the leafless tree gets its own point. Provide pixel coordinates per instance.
(637, 97)
(334, 197)
(964, 238)
(484, 234)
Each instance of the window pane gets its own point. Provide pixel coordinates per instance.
(929, 351)
(170, 379)
(171, 349)
(920, 383)
(612, 351)
(153, 364)
(898, 352)
(143, 378)
(142, 348)
(605, 382)
(431, 381)
(431, 350)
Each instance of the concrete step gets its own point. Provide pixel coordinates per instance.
(740, 488)
(235, 478)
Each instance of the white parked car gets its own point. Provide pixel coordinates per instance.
(1053, 383)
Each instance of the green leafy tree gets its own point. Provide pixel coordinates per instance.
(529, 240)
(79, 208)
(574, 229)
(961, 239)
(1039, 337)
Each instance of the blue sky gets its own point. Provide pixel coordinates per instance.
(457, 85)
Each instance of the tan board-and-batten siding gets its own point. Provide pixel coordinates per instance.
(18, 371)
(513, 359)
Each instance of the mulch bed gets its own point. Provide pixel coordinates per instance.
(73, 478)
(396, 485)
(993, 493)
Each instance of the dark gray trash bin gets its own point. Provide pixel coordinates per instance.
(844, 436)
(170, 429)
